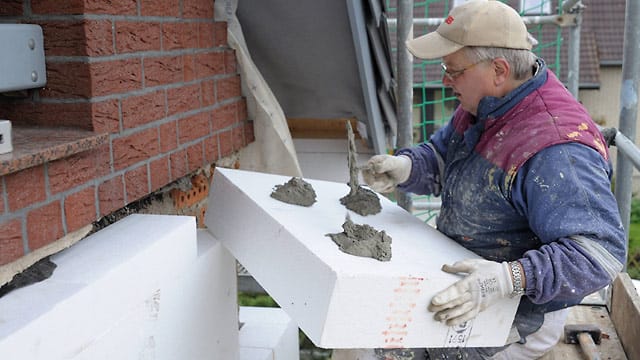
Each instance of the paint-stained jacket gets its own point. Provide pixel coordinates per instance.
(528, 179)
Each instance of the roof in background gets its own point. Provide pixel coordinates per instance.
(605, 20)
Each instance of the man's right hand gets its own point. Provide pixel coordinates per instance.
(384, 172)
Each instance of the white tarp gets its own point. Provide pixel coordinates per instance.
(273, 150)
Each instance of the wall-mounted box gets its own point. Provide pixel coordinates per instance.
(22, 57)
(340, 300)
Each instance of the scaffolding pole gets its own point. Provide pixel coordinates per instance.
(573, 74)
(628, 110)
(405, 87)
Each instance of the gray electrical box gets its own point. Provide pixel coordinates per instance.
(22, 63)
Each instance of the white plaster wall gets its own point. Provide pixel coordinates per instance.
(326, 159)
(604, 106)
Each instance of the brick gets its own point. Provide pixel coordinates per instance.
(208, 93)
(77, 38)
(195, 157)
(120, 7)
(73, 171)
(11, 8)
(99, 37)
(178, 164)
(220, 33)
(179, 35)
(80, 208)
(163, 70)
(242, 109)
(198, 192)
(228, 88)
(103, 160)
(206, 35)
(11, 246)
(106, 117)
(189, 68)
(68, 7)
(154, 106)
(63, 38)
(58, 84)
(2, 196)
(115, 77)
(201, 9)
(230, 62)
(111, 195)
(226, 143)
(183, 99)
(211, 153)
(137, 36)
(224, 116)
(237, 138)
(209, 64)
(72, 114)
(168, 136)
(134, 148)
(167, 8)
(136, 183)
(193, 127)
(44, 225)
(26, 187)
(159, 173)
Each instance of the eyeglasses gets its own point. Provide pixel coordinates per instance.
(453, 74)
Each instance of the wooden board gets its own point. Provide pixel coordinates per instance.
(321, 128)
(625, 314)
(610, 347)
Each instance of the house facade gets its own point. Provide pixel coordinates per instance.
(142, 100)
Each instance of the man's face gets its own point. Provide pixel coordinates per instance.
(469, 81)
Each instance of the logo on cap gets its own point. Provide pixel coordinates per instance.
(449, 19)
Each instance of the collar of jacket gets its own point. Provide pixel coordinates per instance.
(494, 107)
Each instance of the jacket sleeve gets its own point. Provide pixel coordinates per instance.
(565, 192)
(427, 164)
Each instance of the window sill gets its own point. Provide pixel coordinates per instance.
(33, 146)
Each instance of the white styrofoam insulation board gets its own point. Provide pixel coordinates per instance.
(267, 330)
(145, 287)
(340, 300)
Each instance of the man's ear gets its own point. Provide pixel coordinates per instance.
(502, 71)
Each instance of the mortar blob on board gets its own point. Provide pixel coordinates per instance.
(363, 240)
(296, 191)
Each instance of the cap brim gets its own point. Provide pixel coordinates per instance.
(432, 46)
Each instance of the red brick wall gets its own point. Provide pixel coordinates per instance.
(156, 75)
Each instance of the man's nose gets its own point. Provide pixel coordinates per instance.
(446, 81)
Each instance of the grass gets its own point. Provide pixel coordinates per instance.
(259, 300)
(633, 262)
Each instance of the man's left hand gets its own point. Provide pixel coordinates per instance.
(485, 282)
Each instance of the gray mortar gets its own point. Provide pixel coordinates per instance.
(362, 201)
(359, 200)
(363, 240)
(295, 191)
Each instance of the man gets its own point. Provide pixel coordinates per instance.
(524, 177)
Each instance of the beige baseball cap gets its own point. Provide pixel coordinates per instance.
(474, 23)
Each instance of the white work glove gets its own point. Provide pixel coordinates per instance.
(384, 172)
(485, 283)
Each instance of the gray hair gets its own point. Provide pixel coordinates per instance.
(521, 61)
